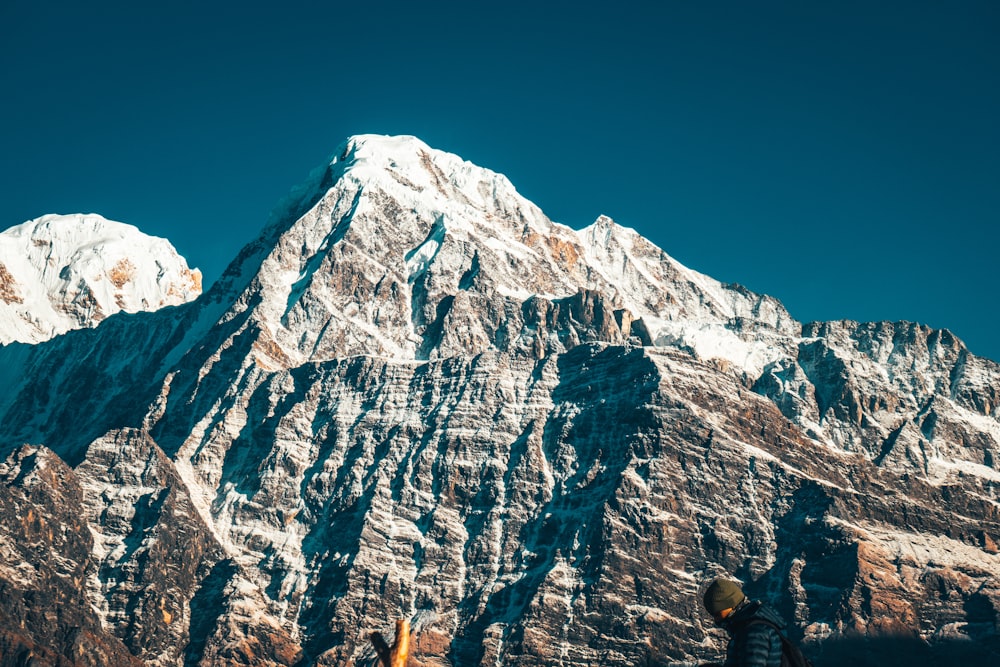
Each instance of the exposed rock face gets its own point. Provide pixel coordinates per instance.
(46, 550)
(63, 272)
(415, 396)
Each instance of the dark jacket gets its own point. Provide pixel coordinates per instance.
(753, 644)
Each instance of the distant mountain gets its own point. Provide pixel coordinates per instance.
(415, 396)
(63, 272)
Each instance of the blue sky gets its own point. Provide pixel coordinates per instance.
(843, 157)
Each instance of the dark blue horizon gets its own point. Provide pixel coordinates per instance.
(844, 159)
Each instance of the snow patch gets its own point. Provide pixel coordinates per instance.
(418, 259)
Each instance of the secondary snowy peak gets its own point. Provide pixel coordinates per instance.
(683, 308)
(63, 272)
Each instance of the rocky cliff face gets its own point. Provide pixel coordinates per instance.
(415, 396)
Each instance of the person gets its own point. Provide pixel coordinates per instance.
(753, 627)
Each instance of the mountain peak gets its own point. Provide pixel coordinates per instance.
(372, 145)
(400, 154)
(423, 244)
(63, 272)
(407, 162)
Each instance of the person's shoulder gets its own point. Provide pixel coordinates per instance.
(765, 615)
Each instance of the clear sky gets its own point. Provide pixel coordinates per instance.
(843, 156)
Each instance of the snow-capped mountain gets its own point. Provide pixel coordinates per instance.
(63, 272)
(415, 396)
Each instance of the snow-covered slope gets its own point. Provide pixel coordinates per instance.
(412, 229)
(64, 272)
(415, 395)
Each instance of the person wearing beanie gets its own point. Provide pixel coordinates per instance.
(753, 627)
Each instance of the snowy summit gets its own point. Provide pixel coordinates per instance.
(63, 272)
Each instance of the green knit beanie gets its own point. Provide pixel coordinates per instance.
(723, 594)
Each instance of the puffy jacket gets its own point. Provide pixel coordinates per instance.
(753, 644)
